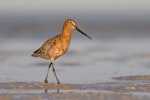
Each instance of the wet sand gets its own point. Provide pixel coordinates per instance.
(100, 70)
(99, 91)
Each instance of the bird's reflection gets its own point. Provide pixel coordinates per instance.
(47, 89)
(57, 90)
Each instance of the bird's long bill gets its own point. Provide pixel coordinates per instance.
(82, 32)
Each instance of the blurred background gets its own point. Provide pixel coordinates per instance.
(120, 30)
(103, 18)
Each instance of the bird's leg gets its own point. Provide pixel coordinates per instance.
(47, 73)
(55, 74)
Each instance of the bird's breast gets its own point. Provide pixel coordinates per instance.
(59, 47)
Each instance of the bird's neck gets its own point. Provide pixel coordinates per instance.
(66, 38)
(67, 33)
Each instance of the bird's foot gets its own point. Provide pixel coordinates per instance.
(45, 81)
(58, 82)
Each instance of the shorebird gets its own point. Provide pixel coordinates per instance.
(57, 46)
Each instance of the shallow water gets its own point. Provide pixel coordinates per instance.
(91, 69)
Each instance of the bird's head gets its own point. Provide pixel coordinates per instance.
(71, 23)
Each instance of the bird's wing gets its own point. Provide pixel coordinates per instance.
(46, 46)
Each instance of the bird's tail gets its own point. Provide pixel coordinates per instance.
(36, 53)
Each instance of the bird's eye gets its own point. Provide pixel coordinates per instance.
(72, 23)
